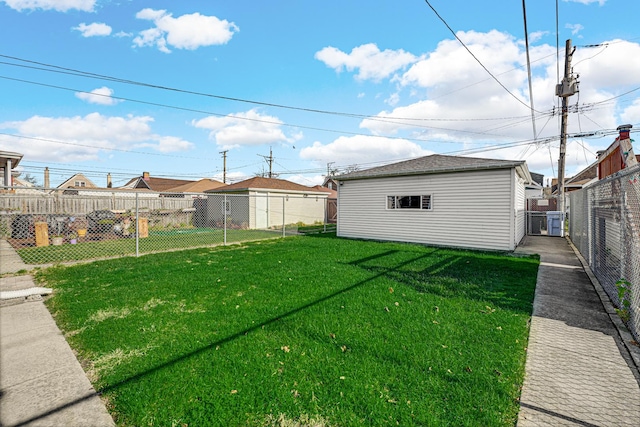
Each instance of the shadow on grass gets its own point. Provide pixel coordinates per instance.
(441, 278)
(496, 280)
(213, 345)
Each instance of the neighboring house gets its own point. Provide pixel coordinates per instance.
(582, 179)
(25, 187)
(77, 181)
(272, 202)
(8, 162)
(619, 155)
(330, 183)
(437, 200)
(147, 182)
(200, 186)
(535, 188)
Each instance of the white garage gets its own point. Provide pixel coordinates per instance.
(437, 200)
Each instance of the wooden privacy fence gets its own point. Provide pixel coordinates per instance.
(83, 204)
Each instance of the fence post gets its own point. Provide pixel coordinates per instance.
(224, 222)
(283, 216)
(137, 227)
(326, 215)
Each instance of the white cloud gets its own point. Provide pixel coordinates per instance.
(371, 63)
(537, 36)
(231, 177)
(597, 73)
(309, 181)
(631, 114)
(57, 5)
(452, 99)
(95, 29)
(245, 129)
(185, 32)
(450, 65)
(362, 149)
(575, 28)
(450, 84)
(84, 138)
(167, 144)
(393, 99)
(587, 2)
(102, 96)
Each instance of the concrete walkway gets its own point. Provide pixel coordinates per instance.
(580, 370)
(10, 261)
(41, 381)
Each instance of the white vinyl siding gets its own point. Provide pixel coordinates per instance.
(297, 207)
(520, 209)
(469, 209)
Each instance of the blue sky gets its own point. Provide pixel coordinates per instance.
(126, 86)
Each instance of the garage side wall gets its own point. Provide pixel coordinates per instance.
(520, 209)
(469, 209)
(297, 208)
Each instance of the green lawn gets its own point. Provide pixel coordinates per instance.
(342, 332)
(156, 242)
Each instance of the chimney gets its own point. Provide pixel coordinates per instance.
(109, 184)
(624, 131)
(46, 177)
(145, 176)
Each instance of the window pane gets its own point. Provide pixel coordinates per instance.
(391, 202)
(426, 202)
(409, 202)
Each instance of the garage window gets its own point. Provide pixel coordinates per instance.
(409, 202)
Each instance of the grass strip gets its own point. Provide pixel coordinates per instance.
(156, 242)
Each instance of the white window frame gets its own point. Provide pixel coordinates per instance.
(392, 202)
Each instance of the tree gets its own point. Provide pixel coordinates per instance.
(29, 178)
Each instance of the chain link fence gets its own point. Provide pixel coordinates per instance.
(537, 215)
(58, 226)
(604, 224)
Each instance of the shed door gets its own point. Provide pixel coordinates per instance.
(262, 210)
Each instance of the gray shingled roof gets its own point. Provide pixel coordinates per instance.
(435, 163)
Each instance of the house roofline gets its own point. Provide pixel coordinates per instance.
(518, 164)
(267, 190)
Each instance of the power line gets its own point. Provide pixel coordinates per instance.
(477, 60)
(275, 122)
(146, 153)
(526, 41)
(79, 73)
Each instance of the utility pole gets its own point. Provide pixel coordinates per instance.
(329, 169)
(564, 90)
(224, 166)
(270, 161)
